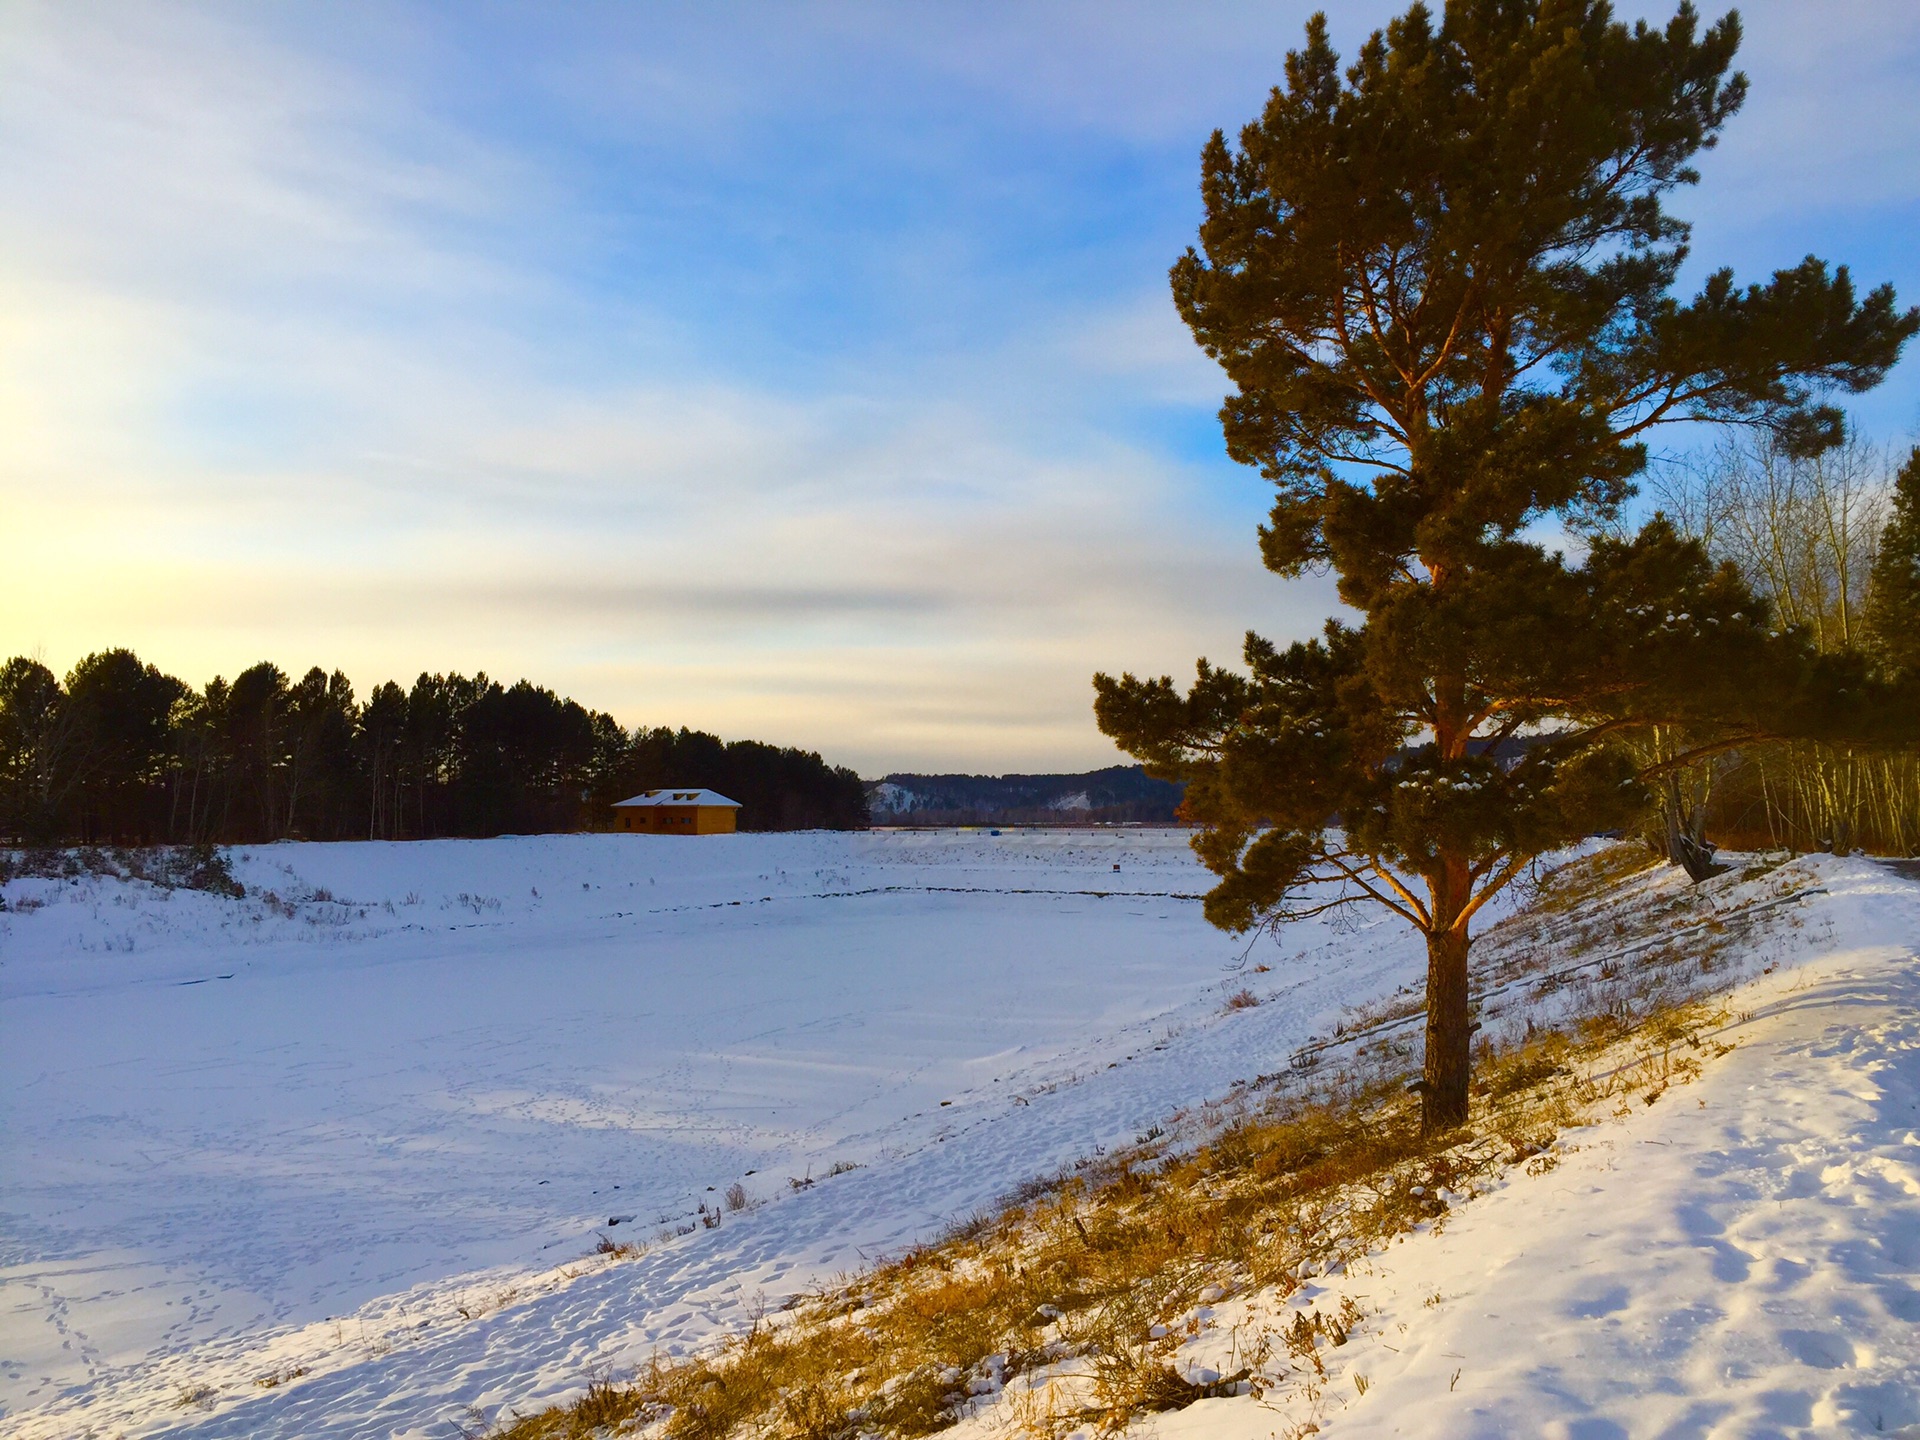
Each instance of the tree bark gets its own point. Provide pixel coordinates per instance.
(1443, 1086)
(1687, 847)
(1449, 1058)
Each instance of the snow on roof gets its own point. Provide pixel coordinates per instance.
(677, 797)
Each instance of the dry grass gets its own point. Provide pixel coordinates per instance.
(1079, 1283)
(170, 867)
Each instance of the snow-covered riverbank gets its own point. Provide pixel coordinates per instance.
(371, 1166)
(367, 1121)
(1738, 1256)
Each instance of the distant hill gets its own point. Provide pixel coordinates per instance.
(1117, 795)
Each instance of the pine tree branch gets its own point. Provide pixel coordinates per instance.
(1493, 887)
(1413, 911)
(1469, 295)
(1708, 751)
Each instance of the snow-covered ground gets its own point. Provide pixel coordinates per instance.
(1741, 1258)
(367, 1122)
(358, 1135)
(1738, 1256)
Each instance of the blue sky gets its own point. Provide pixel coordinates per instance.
(802, 372)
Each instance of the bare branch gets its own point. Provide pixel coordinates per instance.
(1416, 916)
(1493, 887)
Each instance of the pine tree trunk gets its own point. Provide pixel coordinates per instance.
(1689, 849)
(1443, 1092)
(1443, 1088)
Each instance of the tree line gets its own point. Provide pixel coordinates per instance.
(120, 752)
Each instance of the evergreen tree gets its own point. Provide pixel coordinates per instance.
(121, 709)
(320, 772)
(383, 726)
(431, 746)
(202, 765)
(256, 752)
(1893, 592)
(36, 751)
(1440, 282)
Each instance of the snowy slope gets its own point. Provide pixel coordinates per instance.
(1740, 1258)
(1744, 1261)
(368, 1121)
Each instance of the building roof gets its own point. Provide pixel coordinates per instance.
(686, 796)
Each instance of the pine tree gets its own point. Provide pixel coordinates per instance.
(1893, 592)
(1440, 283)
(37, 741)
(122, 708)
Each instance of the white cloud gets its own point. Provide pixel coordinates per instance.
(310, 354)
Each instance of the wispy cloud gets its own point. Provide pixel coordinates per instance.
(805, 372)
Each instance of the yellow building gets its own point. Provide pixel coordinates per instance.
(676, 812)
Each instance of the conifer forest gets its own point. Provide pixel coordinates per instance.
(121, 753)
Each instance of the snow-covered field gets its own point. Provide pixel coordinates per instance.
(357, 1134)
(368, 1121)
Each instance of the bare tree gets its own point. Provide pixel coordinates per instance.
(1805, 534)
